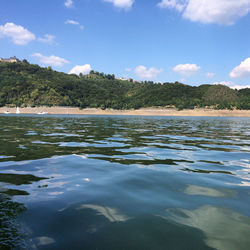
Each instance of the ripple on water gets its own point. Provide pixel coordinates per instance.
(156, 180)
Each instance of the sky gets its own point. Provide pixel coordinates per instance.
(191, 41)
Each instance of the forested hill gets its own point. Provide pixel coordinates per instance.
(25, 84)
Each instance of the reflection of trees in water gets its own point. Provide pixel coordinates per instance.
(10, 236)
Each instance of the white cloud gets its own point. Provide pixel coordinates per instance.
(17, 33)
(243, 70)
(213, 11)
(128, 69)
(186, 69)
(68, 3)
(172, 4)
(144, 73)
(73, 22)
(50, 39)
(50, 60)
(123, 4)
(224, 12)
(84, 69)
(210, 74)
(231, 85)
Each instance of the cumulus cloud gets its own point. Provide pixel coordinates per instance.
(231, 85)
(243, 70)
(214, 11)
(122, 4)
(50, 60)
(18, 34)
(68, 3)
(144, 73)
(73, 22)
(84, 69)
(224, 12)
(210, 74)
(186, 69)
(50, 39)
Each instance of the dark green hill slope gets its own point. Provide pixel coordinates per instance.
(27, 84)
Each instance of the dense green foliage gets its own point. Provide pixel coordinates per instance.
(27, 84)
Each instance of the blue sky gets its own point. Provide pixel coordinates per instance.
(192, 41)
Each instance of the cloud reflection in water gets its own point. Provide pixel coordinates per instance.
(112, 214)
(211, 192)
(224, 228)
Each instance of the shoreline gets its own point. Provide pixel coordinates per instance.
(138, 112)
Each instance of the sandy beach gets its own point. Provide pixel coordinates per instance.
(144, 111)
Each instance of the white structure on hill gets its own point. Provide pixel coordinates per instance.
(9, 60)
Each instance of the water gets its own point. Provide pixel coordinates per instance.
(89, 182)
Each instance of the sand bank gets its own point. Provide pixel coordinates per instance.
(144, 111)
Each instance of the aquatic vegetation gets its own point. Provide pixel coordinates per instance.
(11, 237)
(19, 179)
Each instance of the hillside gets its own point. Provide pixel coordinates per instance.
(25, 84)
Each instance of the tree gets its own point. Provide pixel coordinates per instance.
(25, 61)
(29, 84)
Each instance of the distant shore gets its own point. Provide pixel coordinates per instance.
(143, 111)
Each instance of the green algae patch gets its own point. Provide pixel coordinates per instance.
(19, 179)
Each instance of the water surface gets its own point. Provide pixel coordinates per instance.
(103, 182)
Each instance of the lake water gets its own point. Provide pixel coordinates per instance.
(103, 182)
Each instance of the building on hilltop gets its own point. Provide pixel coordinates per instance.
(10, 60)
(126, 79)
(122, 79)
